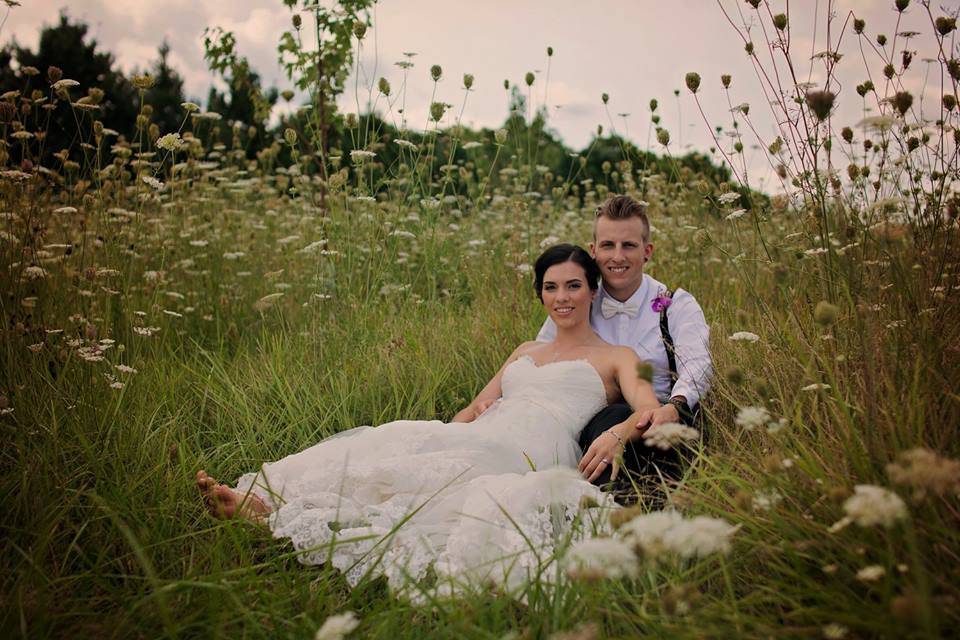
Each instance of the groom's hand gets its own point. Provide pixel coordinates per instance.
(652, 417)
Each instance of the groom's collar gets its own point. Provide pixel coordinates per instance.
(638, 296)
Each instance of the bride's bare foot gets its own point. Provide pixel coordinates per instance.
(224, 502)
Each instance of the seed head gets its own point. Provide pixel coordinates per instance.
(529, 78)
(500, 135)
(725, 80)
(663, 136)
(54, 73)
(7, 111)
(825, 313)
(902, 101)
(847, 134)
(953, 68)
(297, 21)
(912, 143)
(701, 239)
(949, 101)
(359, 29)
(775, 146)
(290, 135)
(599, 130)
(945, 24)
(881, 39)
(144, 82)
(29, 71)
(506, 84)
(901, 5)
(780, 21)
(820, 103)
(549, 52)
(859, 25)
(384, 86)
(467, 81)
(754, 3)
(889, 71)
(437, 110)
(748, 48)
(436, 71)
(692, 80)
(605, 98)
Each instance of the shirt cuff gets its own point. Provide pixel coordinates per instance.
(688, 391)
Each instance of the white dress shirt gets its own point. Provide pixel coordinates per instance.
(691, 339)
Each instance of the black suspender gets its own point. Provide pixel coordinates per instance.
(668, 339)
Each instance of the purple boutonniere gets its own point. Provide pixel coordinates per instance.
(660, 303)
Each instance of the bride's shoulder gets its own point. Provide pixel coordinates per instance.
(524, 349)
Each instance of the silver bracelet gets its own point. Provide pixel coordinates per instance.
(617, 436)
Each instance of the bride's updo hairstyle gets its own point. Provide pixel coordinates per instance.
(561, 253)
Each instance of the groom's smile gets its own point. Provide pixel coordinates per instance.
(620, 249)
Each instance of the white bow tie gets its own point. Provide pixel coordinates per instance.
(610, 307)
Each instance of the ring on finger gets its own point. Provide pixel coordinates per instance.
(604, 461)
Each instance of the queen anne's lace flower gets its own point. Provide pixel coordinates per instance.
(751, 418)
(337, 627)
(668, 532)
(744, 336)
(870, 506)
(664, 436)
(598, 558)
(871, 574)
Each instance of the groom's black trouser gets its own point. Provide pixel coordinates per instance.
(643, 466)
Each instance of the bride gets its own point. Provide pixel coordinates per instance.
(479, 497)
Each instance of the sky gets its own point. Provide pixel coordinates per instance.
(633, 50)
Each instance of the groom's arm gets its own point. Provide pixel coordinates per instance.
(691, 340)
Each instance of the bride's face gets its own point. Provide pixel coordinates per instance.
(567, 294)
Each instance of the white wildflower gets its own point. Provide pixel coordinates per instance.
(766, 500)
(65, 210)
(199, 243)
(117, 385)
(730, 196)
(871, 505)
(337, 627)
(473, 144)
(65, 83)
(406, 144)
(358, 156)
(190, 106)
(816, 251)
(816, 386)
(122, 368)
(776, 426)
(871, 573)
(549, 241)
(597, 558)
(744, 336)
(145, 331)
(34, 272)
(170, 142)
(476, 242)
(153, 182)
(173, 314)
(661, 532)
(752, 417)
(664, 436)
(737, 213)
(233, 255)
(400, 233)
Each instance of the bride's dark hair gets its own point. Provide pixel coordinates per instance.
(560, 253)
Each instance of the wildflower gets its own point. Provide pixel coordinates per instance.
(598, 558)
(34, 272)
(692, 80)
(752, 417)
(290, 136)
(663, 136)
(871, 505)
(337, 627)
(730, 196)
(766, 500)
(871, 573)
(666, 435)
(467, 81)
(660, 532)
(266, 301)
(774, 427)
(500, 135)
(170, 142)
(925, 471)
(359, 156)
(359, 29)
(744, 336)
(406, 144)
(902, 101)
(65, 210)
(736, 214)
(145, 331)
(153, 182)
(780, 21)
(400, 233)
(816, 386)
(820, 103)
(437, 110)
(122, 368)
(529, 78)
(189, 107)
(65, 83)
(173, 314)
(436, 72)
(473, 144)
(834, 631)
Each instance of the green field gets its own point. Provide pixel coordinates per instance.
(251, 307)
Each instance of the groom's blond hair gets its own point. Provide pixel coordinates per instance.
(622, 208)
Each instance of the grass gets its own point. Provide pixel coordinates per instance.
(104, 535)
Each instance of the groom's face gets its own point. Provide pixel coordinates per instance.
(621, 248)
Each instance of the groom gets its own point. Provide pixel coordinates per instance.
(670, 333)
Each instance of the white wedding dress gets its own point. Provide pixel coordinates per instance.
(479, 501)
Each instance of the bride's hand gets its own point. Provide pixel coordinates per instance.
(483, 406)
(605, 451)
